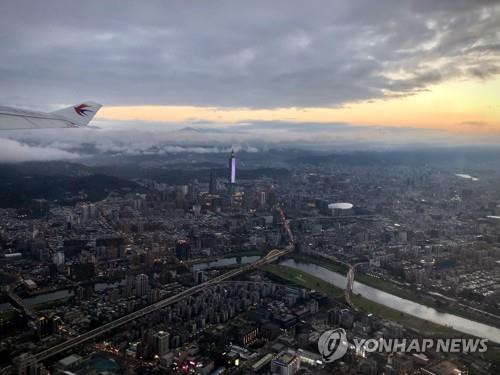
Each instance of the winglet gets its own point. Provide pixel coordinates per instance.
(80, 114)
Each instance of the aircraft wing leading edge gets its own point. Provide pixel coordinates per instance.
(70, 117)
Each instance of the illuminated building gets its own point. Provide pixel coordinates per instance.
(248, 335)
(232, 168)
(285, 364)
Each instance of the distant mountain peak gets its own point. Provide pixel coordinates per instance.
(191, 129)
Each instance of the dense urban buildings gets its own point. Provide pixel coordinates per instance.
(250, 187)
(422, 241)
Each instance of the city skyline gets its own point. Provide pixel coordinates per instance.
(250, 187)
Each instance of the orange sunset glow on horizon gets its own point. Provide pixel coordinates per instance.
(464, 106)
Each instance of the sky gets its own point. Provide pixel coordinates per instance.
(335, 73)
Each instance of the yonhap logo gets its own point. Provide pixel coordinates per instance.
(333, 344)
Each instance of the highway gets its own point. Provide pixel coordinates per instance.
(337, 218)
(78, 340)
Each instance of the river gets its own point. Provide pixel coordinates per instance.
(409, 307)
(66, 293)
(225, 262)
(59, 295)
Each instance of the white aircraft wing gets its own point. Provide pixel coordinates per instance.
(70, 117)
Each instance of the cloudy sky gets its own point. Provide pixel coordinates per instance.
(391, 70)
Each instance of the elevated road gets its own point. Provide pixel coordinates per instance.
(92, 334)
(73, 342)
(337, 218)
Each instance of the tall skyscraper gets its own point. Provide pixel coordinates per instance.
(182, 250)
(232, 168)
(161, 342)
(212, 187)
(141, 285)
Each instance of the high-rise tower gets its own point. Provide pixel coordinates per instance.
(141, 285)
(232, 168)
(212, 187)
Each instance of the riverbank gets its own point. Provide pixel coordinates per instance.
(290, 275)
(423, 298)
(244, 254)
(395, 289)
(96, 281)
(51, 304)
(323, 262)
(422, 326)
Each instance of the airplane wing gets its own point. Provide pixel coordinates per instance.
(70, 117)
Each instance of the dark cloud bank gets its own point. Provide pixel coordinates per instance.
(240, 53)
